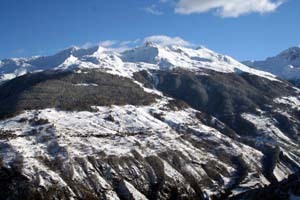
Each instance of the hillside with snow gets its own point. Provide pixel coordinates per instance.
(152, 122)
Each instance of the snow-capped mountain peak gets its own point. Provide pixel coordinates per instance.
(169, 57)
(291, 54)
(286, 64)
(148, 56)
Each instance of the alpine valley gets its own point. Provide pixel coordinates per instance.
(152, 122)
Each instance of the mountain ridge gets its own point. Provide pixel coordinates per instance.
(149, 56)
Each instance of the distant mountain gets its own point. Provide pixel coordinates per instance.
(285, 65)
(153, 122)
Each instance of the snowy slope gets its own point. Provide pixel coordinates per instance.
(77, 142)
(285, 65)
(150, 56)
(214, 132)
(67, 136)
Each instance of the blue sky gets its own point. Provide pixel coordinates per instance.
(252, 30)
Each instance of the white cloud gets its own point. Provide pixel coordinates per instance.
(104, 43)
(166, 40)
(153, 9)
(19, 51)
(163, 1)
(108, 43)
(115, 45)
(87, 45)
(121, 46)
(125, 45)
(227, 8)
(130, 42)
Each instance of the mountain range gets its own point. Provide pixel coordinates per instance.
(152, 122)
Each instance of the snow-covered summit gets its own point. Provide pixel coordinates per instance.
(285, 65)
(291, 54)
(148, 56)
(169, 57)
